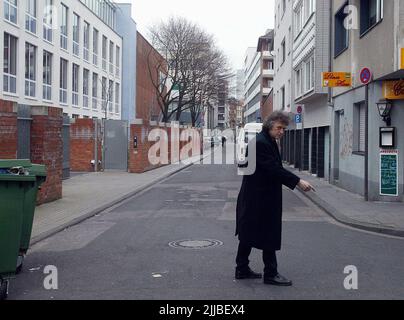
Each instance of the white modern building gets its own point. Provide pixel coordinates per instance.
(258, 78)
(283, 44)
(62, 53)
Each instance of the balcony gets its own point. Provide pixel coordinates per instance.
(268, 73)
(266, 91)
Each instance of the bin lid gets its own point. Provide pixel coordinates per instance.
(38, 170)
(13, 177)
(10, 163)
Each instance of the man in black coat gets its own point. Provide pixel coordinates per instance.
(259, 204)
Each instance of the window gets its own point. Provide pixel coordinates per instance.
(63, 82)
(117, 94)
(341, 39)
(110, 95)
(118, 64)
(63, 28)
(86, 75)
(298, 82)
(104, 92)
(360, 127)
(30, 16)
(283, 104)
(309, 74)
(371, 14)
(104, 53)
(10, 64)
(47, 76)
(95, 91)
(75, 85)
(283, 51)
(10, 10)
(30, 70)
(95, 47)
(111, 57)
(86, 41)
(76, 34)
(47, 21)
(283, 7)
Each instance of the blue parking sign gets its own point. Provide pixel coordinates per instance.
(298, 118)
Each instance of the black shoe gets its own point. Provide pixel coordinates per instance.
(247, 274)
(278, 280)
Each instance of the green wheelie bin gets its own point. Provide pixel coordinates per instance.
(39, 171)
(14, 186)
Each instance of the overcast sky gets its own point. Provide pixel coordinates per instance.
(236, 25)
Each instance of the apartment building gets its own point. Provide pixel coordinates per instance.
(283, 44)
(307, 144)
(374, 40)
(258, 78)
(62, 53)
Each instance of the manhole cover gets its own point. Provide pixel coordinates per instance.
(195, 244)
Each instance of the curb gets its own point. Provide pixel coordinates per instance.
(338, 216)
(98, 210)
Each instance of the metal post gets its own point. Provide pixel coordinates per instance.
(366, 178)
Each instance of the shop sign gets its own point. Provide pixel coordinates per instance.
(336, 79)
(393, 90)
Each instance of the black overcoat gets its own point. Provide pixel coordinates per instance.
(259, 203)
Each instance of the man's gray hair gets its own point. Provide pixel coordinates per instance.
(277, 116)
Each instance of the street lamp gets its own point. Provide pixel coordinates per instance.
(384, 107)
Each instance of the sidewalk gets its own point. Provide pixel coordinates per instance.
(85, 195)
(351, 209)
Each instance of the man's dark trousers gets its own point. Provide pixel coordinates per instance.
(269, 257)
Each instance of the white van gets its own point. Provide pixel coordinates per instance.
(245, 135)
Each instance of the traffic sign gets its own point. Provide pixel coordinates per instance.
(299, 109)
(365, 75)
(298, 118)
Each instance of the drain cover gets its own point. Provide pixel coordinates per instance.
(195, 244)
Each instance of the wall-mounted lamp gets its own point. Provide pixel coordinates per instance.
(384, 107)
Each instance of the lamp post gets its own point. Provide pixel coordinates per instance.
(384, 108)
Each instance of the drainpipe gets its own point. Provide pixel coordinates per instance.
(330, 101)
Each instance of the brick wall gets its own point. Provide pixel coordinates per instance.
(267, 106)
(8, 130)
(47, 149)
(82, 144)
(147, 107)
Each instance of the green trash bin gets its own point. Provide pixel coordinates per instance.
(13, 191)
(39, 171)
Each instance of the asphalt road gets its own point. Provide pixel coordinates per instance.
(124, 253)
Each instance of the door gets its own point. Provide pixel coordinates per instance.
(116, 144)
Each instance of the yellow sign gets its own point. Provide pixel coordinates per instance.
(337, 79)
(402, 59)
(393, 90)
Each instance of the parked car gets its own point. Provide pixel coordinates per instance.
(245, 135)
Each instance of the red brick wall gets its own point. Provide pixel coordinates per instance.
(146, 98)
(82, 143)
(8, 131)
(47, 148)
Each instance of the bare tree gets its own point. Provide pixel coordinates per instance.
(189, 69)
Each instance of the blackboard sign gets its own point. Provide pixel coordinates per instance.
(389, 174)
